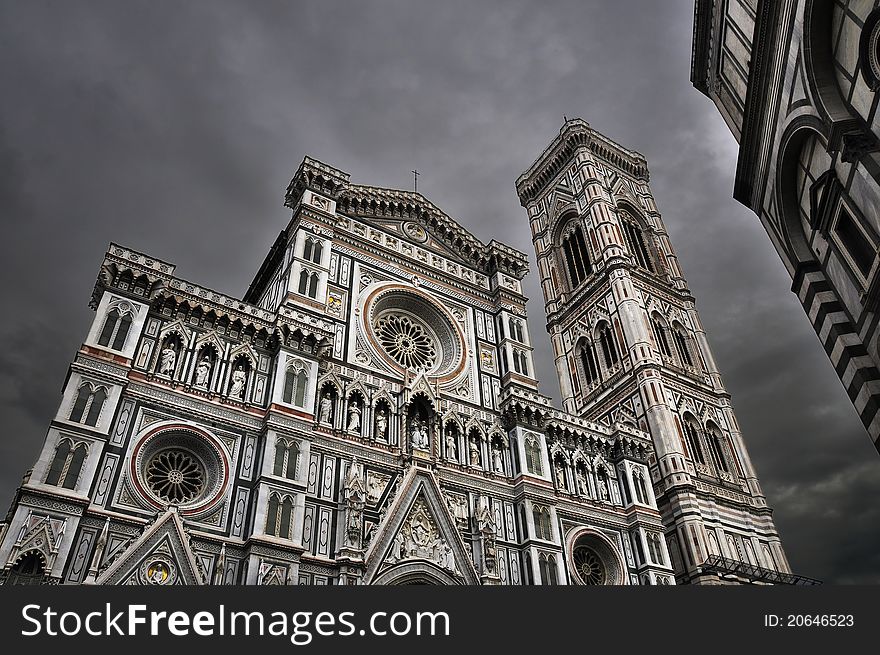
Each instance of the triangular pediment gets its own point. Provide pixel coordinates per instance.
(418, 535)
(161, 556)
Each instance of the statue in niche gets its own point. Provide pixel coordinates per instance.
(354, 416)
(603, 488)
(560, 474)
(355, 497)
(203, 371)
(168, 360)
(325, 409)
(474, 450)
(381, 424)
(582, 486)
(451, 448)
(497, 459)
(238, 379)
(418, 433)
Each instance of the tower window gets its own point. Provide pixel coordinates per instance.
(295, 381)
(682, 346)
(278, 516)
(660, 335)
(541, 517)
(609, 348)
(577, 258)
(635, 241)
(533, 456)
(589, 363)
(692, 437)
(286, 459)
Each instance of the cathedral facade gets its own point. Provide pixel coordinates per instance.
(368, 412)
(796, 82)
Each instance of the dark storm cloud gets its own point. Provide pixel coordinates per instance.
(174, 128)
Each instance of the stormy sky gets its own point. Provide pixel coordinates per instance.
(174, 128)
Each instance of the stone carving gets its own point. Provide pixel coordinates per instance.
(354, 416)
(325, 411)
(355, 496)
(487, 528)
(203, 371)
(239, 377)
(418, 432)
(419, 538)
(381, 425)
(168, 359)
(603, 489)
(375, 486)
(459, 510)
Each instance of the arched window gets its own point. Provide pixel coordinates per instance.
(654, 551)
(660, 335)
(286, 459)
(295, 381)
(717, 449)
(308, 283)
(88, 405)
(635, 242)
(640, 495)
(609, 347)
(520, 362)
(312, 250)
(286, 514)
(515, 329)
(547, 567)
(692, 437)
(681, 345)
(637, 542)
(272, 516)
(115, 330)
(589, 362)
(96, 406)
(29, 570)
(533, 456)
(67, 464)
(528, 574)
(577, 258)
(541, 517)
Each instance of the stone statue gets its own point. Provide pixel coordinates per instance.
(582, 486)
(603, 489)
(325, 410)
(355, 495)
(474, 452)
(203, 370)
(497, 459)
(451, 448)
(381, 424)
(418, 433)
(354, 417)
(238, 379)
(560, 474)
(168, 360)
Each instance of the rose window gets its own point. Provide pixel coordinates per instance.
(407, 341)
(175, 476)
(589, 566)
(412, 331)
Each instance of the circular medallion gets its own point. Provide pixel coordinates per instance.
(589, 566)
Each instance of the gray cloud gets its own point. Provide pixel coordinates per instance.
(174, 128)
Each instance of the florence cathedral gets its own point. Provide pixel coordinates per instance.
(368, 412)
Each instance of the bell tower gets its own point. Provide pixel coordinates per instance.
(629, 349)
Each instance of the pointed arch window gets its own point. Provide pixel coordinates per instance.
(286, 459)
(641, 488)
(515, 330)
(278, 516)
(312, 250)
(682, 346)
(717, 449)
(115, 330)
(609, 347)
(520, 362)
(29, 570)
(541, 517)
(547, 568)
(308, 283)
(635, 241)
(660, 335)
(88, 404)
(533, 456)
(67, 464)
(295, 382)
(692, 437)
(589, 361)
(577, 257)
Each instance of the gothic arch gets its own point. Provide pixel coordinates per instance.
(415, 573)
(818, 62)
